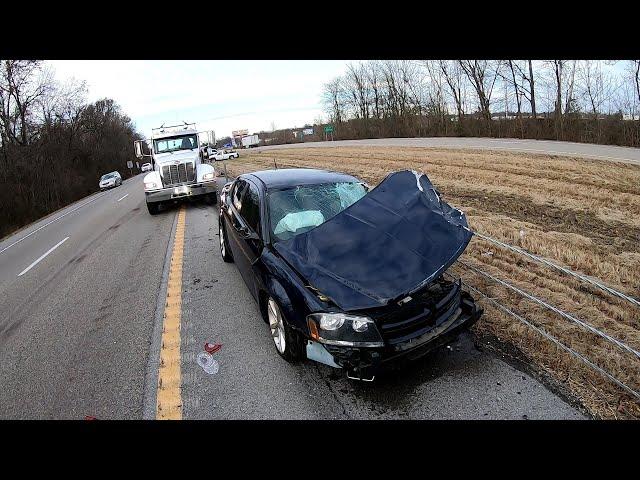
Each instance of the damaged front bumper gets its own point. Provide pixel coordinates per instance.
(364, 363)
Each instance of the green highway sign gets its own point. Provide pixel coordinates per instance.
(328, 129)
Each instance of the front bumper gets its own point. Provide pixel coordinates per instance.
(365, 363)
(180, 192)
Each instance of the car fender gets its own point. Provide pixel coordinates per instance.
(201, 169)
(274, 289)
(296, 302)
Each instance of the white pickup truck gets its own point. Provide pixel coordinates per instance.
(178, 170)
(218, 155)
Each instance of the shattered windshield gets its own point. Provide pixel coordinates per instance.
(297, 210)
(171, 144)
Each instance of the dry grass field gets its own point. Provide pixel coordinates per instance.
(580, 213)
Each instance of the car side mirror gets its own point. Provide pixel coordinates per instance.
(137, 145)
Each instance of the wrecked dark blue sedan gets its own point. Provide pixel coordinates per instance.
(344, 275)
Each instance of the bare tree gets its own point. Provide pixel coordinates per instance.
(22, 84)
(356, 80)
(374, 80)
(636, 76)
(435, 90)
(482, 75)
(596, 86)
(452, 72)
(333, 100)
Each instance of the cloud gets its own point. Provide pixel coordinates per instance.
(246, 94)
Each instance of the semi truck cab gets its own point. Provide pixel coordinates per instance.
(179, 172)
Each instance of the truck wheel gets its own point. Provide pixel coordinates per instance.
(287, 341)
(153, 208)
(225, 251)
(211, 198)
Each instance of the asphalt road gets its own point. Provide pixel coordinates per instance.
(588, 150)
(75, 329)
(81, 325)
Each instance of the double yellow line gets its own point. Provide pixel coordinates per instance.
(169, 398)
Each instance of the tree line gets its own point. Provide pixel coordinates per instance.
(573, 100)
(54, 145)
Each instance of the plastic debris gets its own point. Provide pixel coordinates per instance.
(89, 417)
(208, 363)
(212, 347)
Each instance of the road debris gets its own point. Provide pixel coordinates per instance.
(208, 363)
(212, 347)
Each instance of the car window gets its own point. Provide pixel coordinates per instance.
(236, 196)
(297, 210)
(251, 207)
(171, 144)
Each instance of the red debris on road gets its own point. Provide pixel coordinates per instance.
(212, 347)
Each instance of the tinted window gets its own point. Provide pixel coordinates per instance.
(251, 207)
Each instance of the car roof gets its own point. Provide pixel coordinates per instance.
(290, 177)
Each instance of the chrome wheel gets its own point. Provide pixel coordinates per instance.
(276, 324)
(222, 248)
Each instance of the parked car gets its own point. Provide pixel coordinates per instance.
(345, 276)
(110, 180)
(146, 167)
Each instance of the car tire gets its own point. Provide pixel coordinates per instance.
(225, 251)
(288, 343)
(153, 208)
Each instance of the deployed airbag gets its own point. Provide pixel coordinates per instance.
(294, 221)
(393, 241)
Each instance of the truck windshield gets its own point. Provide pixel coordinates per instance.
(171, 144)
(299, 209)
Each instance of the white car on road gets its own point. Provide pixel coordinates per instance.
(146, 167)
(110, 180)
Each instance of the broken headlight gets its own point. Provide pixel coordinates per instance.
(343, 329)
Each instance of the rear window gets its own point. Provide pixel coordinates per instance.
(297, 210)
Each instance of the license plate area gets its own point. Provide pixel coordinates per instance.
(180, 191)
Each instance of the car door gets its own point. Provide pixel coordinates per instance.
(246, 233)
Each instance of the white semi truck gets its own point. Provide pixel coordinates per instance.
(250, 141)
(178, 170)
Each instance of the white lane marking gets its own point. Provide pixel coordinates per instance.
(123, 197)
(44, 255)
(54, 220)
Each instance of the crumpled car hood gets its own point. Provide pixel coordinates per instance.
(393, 241)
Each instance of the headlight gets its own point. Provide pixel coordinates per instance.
(150, 185)
(343, 329)
(208, 176)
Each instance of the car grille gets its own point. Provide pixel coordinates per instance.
(428, 308)
(177, 174)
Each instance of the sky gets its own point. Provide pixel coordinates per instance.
(217, 95)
